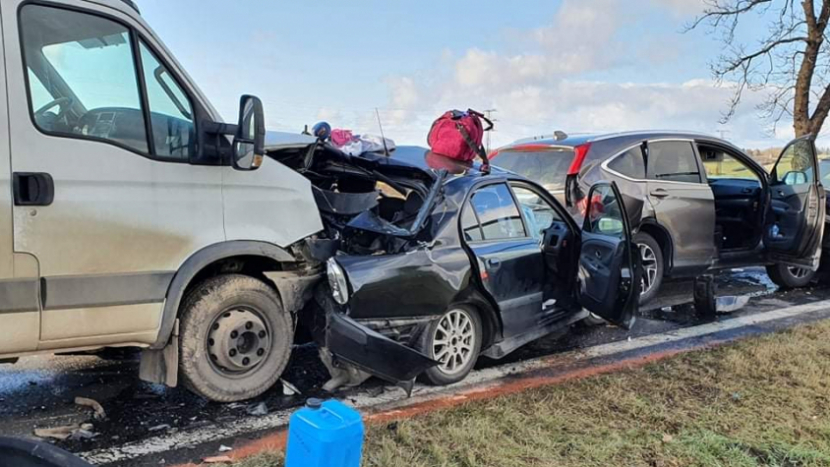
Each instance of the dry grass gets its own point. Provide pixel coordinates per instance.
(765, 401)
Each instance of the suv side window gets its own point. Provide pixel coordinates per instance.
(673, 161)
(85, 63)
(174, 133)
(498, 214)
(630, 163)
(720, 164)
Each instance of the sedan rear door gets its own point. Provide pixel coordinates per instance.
(795, 215)
(609, 271)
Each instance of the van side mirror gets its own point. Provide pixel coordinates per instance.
(249, 142)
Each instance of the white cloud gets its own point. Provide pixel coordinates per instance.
(548, 89)
(682, 7)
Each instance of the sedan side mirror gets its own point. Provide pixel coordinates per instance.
(249, 142)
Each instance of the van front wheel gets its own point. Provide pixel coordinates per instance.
(235, 338)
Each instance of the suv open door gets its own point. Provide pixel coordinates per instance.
(795, 216)
(609, 271)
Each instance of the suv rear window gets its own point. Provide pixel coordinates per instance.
(547, 167)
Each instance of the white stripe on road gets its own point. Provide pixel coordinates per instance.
(395, 398)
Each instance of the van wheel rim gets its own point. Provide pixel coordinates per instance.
(798, 273)
(238, 341)
(454, 341)
(649, 260)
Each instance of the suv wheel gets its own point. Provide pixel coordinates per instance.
(651, 256)
(235, 338)
(454, 340)
(789, 277)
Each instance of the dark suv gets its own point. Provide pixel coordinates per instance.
(697, 202)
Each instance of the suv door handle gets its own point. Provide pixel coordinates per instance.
(659, 193)
(494, 263)
(33, 189)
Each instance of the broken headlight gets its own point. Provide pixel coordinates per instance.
(337, 281)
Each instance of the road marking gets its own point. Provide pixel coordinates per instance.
(393, 398)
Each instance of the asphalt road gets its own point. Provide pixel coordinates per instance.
(39, 392)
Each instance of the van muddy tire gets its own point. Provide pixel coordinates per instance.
(235, 338)
(788, 277)
(651, 256)
(454, 340)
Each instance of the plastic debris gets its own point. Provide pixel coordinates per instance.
(731, 304)
(100, 413)
(258, 410)
(289, 389)
(160, 427)
(223, 448)
(62, 433)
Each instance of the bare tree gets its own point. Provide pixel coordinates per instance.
(790, 62)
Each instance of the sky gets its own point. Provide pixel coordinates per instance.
(570, 65)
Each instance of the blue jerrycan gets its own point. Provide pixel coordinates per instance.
(324, 434)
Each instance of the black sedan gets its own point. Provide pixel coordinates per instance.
(470, 264)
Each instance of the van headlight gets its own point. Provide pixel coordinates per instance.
(337, 281)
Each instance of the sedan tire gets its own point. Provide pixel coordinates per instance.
(454, 340)
(788, 277)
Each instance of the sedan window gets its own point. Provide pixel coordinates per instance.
(497, 212)
(539, 214)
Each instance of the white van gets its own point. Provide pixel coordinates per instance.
(127, 215)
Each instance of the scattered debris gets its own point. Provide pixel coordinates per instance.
(217, 460)
(731, 304)
(161, 427)
(289, 389)
(62, 433)
(667, 438)
(100, 413)
(223, 448)
(259, 410)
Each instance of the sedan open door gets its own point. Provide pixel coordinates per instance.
(795, 216)
(609, 271)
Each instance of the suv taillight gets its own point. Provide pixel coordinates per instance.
(580, 152)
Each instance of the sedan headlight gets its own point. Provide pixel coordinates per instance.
(337, 281)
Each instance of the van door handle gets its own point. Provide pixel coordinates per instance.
(659, 193)
(33, 189)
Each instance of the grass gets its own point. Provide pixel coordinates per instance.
(761, 402)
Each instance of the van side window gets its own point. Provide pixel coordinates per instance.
(630, 163)
(174, 133)
(85, 64)
(498, 213)
(673, 161)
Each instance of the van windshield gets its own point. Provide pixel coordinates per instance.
(547, 167)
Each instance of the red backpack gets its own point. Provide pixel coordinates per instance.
(459, 135)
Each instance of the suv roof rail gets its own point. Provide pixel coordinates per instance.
(132, 5)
